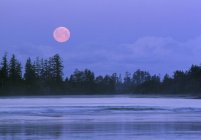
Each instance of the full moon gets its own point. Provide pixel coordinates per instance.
(61, 34)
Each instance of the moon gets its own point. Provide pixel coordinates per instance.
(61, 34)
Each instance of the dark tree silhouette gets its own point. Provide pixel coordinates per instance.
(14, 72)
(57, 68)
(45, 77)
(127, 82)
(30, 73)
(140, 77)
(4, 71)
(167, 84)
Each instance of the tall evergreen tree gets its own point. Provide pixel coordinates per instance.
(38, 66)
(46, 75)
(4, 70)
(30, 73)
(127, 81)
(15, 70)
(57, 68)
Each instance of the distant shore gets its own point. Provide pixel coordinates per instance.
(105, 96)
(45, 77)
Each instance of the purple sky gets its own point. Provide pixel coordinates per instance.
(106, 35)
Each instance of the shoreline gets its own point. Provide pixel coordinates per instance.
(104, 96)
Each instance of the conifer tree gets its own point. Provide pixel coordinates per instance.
(4, 70)
(15, 70)
(30, 73)
(57, 68)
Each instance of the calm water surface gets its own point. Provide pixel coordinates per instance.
(117, 118)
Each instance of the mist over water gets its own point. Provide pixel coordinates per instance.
(100, 118)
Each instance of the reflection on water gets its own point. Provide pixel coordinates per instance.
(24, 131)
(86, 130)
(117, 120)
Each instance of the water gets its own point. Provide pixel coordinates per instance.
(112, 118)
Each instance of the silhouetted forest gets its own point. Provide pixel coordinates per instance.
(45, 77)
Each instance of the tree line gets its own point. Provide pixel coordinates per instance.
(45, 77)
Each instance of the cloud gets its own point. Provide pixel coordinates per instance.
(155, 54)
(162, 54)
